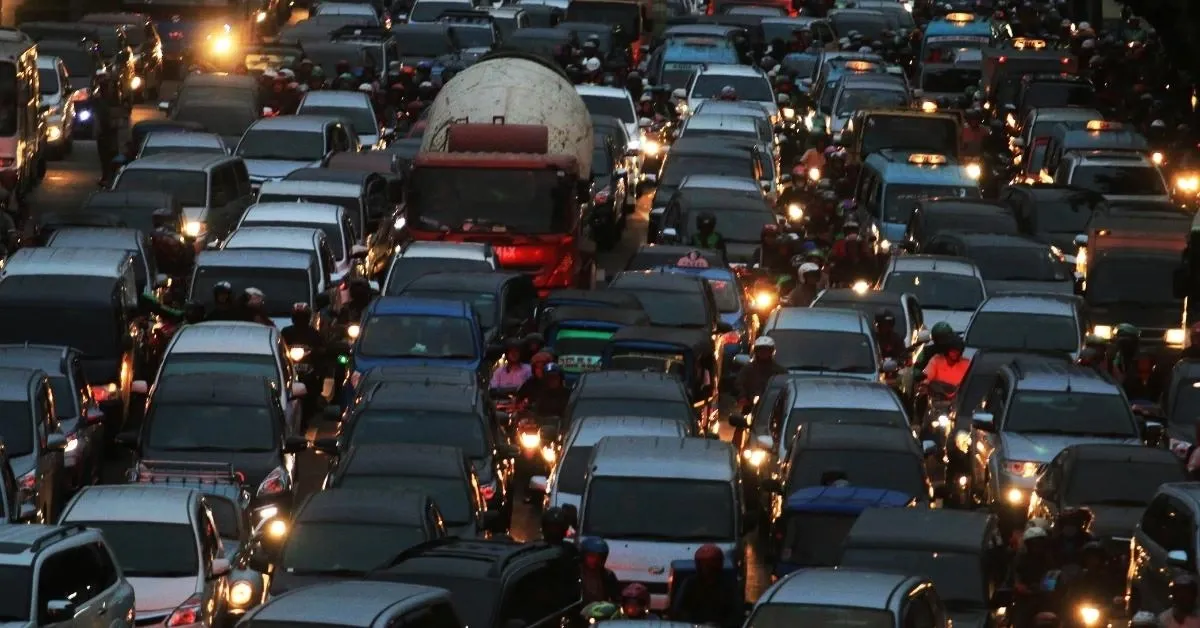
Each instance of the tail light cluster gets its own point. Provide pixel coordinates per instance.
(188, 613)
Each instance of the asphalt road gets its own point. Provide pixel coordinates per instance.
(68, 183)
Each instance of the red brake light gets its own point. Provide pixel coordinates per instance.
(527, 255)
(488, 491)
(1002, 60)
(1066, 60)
(601, 197)
(187, 613)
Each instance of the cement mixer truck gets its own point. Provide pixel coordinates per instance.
(506, 159)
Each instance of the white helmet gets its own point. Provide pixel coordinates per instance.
(1158, 124)
(1084, 25)
(866, 50)
(1033, 533)
(1144, 618)
(646, 98)
(366, 88)
(809, 267)
(783, 99)
(679, 94)
(592, 64)
(644, 122)
(764, 342)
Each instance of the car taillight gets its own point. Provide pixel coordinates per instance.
(528, 255)
(355, 378)
(104, 392)
(7, 163)
(274, 483)
(175, 35)
(80, 96)
(731, 337)
(187, 613)
(601, 197)
(26, 482)
(488, 490)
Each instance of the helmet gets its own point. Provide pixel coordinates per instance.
(552, 367)
(1125, 330)
(885, 316)
(1033, 533)
(1080, 516)
(1090, 355)
(728, 93)
(709, 553)
(679, 94)
(940, 330)
(1144, 618)
(534, 337)
(782, 99)
(764, 342)
(513, 343)
(600, 611)
(636, 591)
(593, 545)
(253, 292)
(592, 64)
(706, 219)
(773, 229)
(1158, 124)
(366, 88)
(542, 357)
(301, 309)
(809, 267)
(646, 98)
(222, 287)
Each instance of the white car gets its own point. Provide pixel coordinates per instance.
(418, 258)
(275, 147)
(948, 288)
(1120, 176)
(58, 106)
(330, 219)
(616, 102)
(354, 107)
(750, 83)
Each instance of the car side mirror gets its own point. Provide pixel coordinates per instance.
(294, 444)
(326, 445)
(220, 567)
(538, 484)
(924, 336)
(60, 610)
(670, 234)
(358, 251)
(1177, 558)
(129, 439)
(139, 387)
(983, 421)
(772, 485)
(739, 421)
(56, 442)
(299, 390)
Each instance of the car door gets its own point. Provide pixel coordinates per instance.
(1166, 525)
(51, 460)
(74, 576)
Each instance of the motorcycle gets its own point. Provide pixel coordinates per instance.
(303, 363)
(537, 437)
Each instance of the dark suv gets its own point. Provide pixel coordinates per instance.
(79, 416)
(493, 583)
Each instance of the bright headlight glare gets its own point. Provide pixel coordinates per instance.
(72, 444)
(795, 211)
(277, 529)
(1015, 496)
(297, 353)
(651, 147)
(962, 440)
(192, 228)
(755, 456)
(531, 440)
(260, 17)
(1175, 336)
(1103, 331)
(861, 287)
(814, 174)
(789, 113)
(135, 82)
(353, 331)
(549, 455)
(240, 593)
(1090, 615)
(1157, 158)
(1188, 183)
(974, 171)
(942, 422)
(764, 300)
(222, 44)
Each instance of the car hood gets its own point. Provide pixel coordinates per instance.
(869, 377)
(283, 581)
(161, 595)
(1044, 447)
(957, 319)
(1115, 521)
(267, 169)
(1050, 287)
(253, 465)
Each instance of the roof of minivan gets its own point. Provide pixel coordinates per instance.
(73, 261)
(254, 258)
(664, 457)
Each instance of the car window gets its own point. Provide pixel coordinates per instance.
(73, 575)
(919, 613)
(534, 597)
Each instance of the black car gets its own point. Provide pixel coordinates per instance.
(79, 416)
(1054, 214)
(493, 583)
(607, 299)
(960, 551)
(435, 43)
(147, 47)
(34, 448)
(345, 533)
(608, 192)
(613, 393)
(504, 302)
(674, 300)
(740, 217)
(116, 54)
(443, 473)
(1007, 262)
(540, 41)
(213, 417)
(931, 217)
(696, 157)
(431, 414)
(613, 56)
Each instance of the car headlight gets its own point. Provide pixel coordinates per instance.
(756, 457)
(795, 211)
(277, 529)
(861, 287)
(1188, 183)
(929, 106)
(1175, 336)
(1158, 158)
(193, 228)
(1090, 615)
(530, 440)
(1103, 331)
(651, 147)
(353, 331)
(765, 300)
(789, 113)
(962, 440)
(549, 455)
(974, 171)
(1015, 496)
(942, 422)
(885, 245)
(1023, 468)
(241, 593)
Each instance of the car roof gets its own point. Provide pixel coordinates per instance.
(589, 430)
(287, 187)
(843, 392)
(663, 457)
(665, 282)
(300, 123)
(818, 319)
(43, 261)
(1028, 304)
(97, 238)
(847, 436)
(354, 603)
(132, 502)
(400, 459)
(48, 358)
(292, 212)
(602, 91)
(225, 337)
(719, 182)
(936, 264)
(405, 305)
(1005, 240)
(330, 98)
(281, 238)
(420, 395)
(838, 586)
(194, 162)
(1051, 377)
(364, 506)
(255, 258)
(940, 530)
(171, 138)
(731, 70)
(485, 281)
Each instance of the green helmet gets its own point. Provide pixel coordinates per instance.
(1125, 330)
(941, 332)
(600, 611)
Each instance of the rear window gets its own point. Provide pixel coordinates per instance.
(189, 188)
(1119, 180)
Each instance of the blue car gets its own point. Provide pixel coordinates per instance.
(816, 520)
(578, 335)
(403, 331)
(732, 307)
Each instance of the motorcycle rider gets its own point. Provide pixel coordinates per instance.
(708, 596)
(1033, 561)
(849, 260)
(359, 292)
(945, 372)
(1144, 383)
(254, 306)
(1090, 582)
(598, 583)
(940, 338)
(753, 378)
(974, 134)
(707, 236)
(808, 287)
(1183, 612)
(224, 308)
(635, 602)
(1125, 348)
(302, 332)
(552, 395)
(1070, 534)
(532, 344)
(814, 157)
(891, 344)
(513, 373)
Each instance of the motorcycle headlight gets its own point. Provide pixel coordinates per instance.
(974, 171)
(297, 353)
(1103, 331)
(755, 457)
(814, 174)
(651, 147)
(795, 212)
(193, 228)
(962, 440)
(353, 331)
(241, 593)
(1089, 615)
(765, 300)
(531, 440)
(277, 529)
(1175, 337)
(789, 113)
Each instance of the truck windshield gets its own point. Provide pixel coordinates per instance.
(937, 135)
(483, 199)
(1134, 281)
(8, 99)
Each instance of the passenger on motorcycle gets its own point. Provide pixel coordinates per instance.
(1070, 534)
(891, 344)
(752, 380)
(708, 596)
(945, 372)
(552, 395)
(254, 306)
(808, 287)
(635, 602)
(1033, 560)
(532, 344)
(1183, 612)
(599, 584)
(302, 332)
(224, 308)
(849, 259)
(1091, 582)
(359, 298)
(707, 236)
(1144, 383)
(513, 373)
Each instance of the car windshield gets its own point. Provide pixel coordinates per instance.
(620, 108)
(151, 550)
(282, 288)
(933, 134)
(678, 409)
(16, 428)
(450, 494)
(17, 583)
(332, 548)
(475, 36)
(407, 269)
(361, 119)
(224, 363)
(1023, 332)
(223, 121)
(1119, 180)
(483, 302)
(48, 81)
(482, 199)
(739, 226)
(821, 350)
(282, 145)
(679, 166)
(777, 615)
(854, 99)
(890, 470)
(950, 80)
(179, 150)
(1012, 263)
(427, 44)
(685, 510)
(870, 26)
(419, 337)
(1069, 413)
(1058, 94)
(673, 309)
(226, 515)
(959, 577)
(90, 330)
(189, 188)
(426, 11)
(579, 350)
(899, 200)
(211, 427)
(852, 416)
(1126, 483)
(755, 88)
(420, 427)
(938, 291)
(1145, 282)
(814, 539)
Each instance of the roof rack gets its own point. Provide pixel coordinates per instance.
(353, 31)
(184, 472)
(61, 533)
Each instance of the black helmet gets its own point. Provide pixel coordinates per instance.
(706, 220)
(222, 287)
(513, 343)
(885, 316)
(554, 525)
